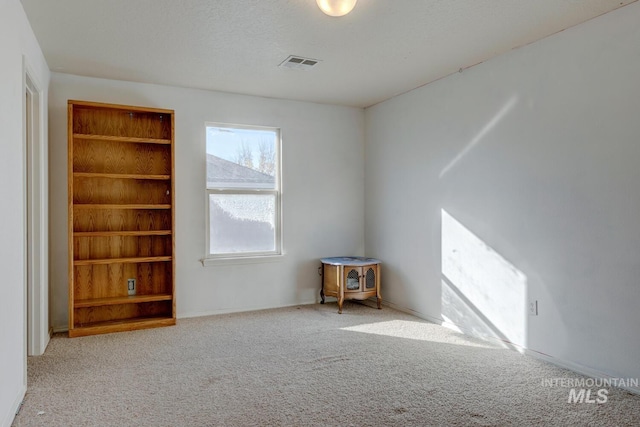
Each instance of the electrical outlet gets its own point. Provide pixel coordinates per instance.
(533, 308)
(131, 286)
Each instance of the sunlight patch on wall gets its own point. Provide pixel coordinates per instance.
(483, 294)
(490, 125)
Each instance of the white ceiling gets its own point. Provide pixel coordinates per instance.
(383, 48)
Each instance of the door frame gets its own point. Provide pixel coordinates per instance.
(36, 214)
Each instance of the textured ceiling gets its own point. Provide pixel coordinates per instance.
(383, 48)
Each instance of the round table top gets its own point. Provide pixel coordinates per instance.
(350, 260)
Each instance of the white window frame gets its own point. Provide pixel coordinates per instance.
(247, 257)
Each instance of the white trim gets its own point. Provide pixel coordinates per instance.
(60, 329)
(589, 372)
(247, 257)
(580, 369)
(240, 310)
(35, 175)
(15, 406)
(532, 353)
(254, 259)
(412, 312)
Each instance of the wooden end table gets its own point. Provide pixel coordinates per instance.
(349, 278)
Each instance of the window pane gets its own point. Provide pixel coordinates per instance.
(241, 158)
(242, 223)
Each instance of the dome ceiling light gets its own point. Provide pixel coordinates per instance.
(336, 7)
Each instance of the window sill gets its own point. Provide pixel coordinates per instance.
(258, 259)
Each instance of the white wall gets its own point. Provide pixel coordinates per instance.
(323, 192)
(17, 44)
(537, 154)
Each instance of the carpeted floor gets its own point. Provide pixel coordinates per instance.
(303, 366)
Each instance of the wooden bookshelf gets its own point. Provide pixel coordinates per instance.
(121, 218)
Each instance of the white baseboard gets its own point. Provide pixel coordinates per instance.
(589, 372)
(57, 329)
(238, 310)
(575, 367)
(65, 328)
(13, 410)
(412, 312)
(580, 369)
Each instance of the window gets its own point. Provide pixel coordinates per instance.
(243, 191)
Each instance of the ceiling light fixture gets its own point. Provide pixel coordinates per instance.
(336, 7)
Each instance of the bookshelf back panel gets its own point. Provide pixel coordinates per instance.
(121, 220)
(120, 191)
(121, 157)
(121, 247)
(87, 316)
(110, 280)
(119, 122)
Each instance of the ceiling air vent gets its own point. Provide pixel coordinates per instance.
(299, 63)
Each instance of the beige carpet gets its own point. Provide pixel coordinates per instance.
(302, 366)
